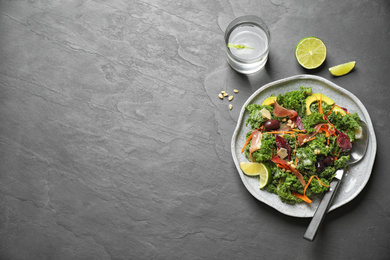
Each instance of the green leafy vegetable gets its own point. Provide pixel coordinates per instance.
(256, 118)
(295, 100)
(311, 120)
(321, 143)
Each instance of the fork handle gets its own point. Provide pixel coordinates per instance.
(319, 215)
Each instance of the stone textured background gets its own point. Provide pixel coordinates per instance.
(114, 144)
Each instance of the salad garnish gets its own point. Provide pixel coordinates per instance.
(303, 138)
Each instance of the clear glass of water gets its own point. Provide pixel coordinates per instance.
(247, 41)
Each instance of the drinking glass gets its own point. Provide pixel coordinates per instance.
(247, 41)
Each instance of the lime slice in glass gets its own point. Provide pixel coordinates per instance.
(342, 69)
(257, 169)
(310, 52)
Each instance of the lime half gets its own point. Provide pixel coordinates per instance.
(310, 52)
(342, 69)
(257, 169)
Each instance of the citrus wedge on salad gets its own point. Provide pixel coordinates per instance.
(257, 169)
(310, 52)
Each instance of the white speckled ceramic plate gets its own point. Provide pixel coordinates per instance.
(354, 180)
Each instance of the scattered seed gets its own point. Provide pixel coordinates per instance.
(225, 94)
(284, 120)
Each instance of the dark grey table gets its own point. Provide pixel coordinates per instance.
(115, 145)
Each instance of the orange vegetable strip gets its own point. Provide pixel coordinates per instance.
(341, 108)
(330, 111)
(337, 156)
(295, 148)
(298, 130)
(282, 166)
(246, 143)
(308, 183)
(300, 196)
(304, 197)
(321, 182)
(320, 105)
(280, 132)
(316, 98)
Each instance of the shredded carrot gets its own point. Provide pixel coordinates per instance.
(325, 128)
(297, 130)
(327, 143)
(330, 111)
(282, 166)
(340, 108)
(320, 105)
(246, 143)
(308, 183)
(311, 139)
(304, 197)
(295, 148)
(296, 160)
(300, 196)
(280, 132)
(338, 155)
(317, 100)
(314, 96)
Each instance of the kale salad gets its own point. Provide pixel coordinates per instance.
(301, 138)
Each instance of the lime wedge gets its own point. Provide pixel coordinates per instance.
(257, 169)
(342, 69)
(310, 52)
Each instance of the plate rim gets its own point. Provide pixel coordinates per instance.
(372, 136)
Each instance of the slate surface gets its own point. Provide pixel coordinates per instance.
(115, 145)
